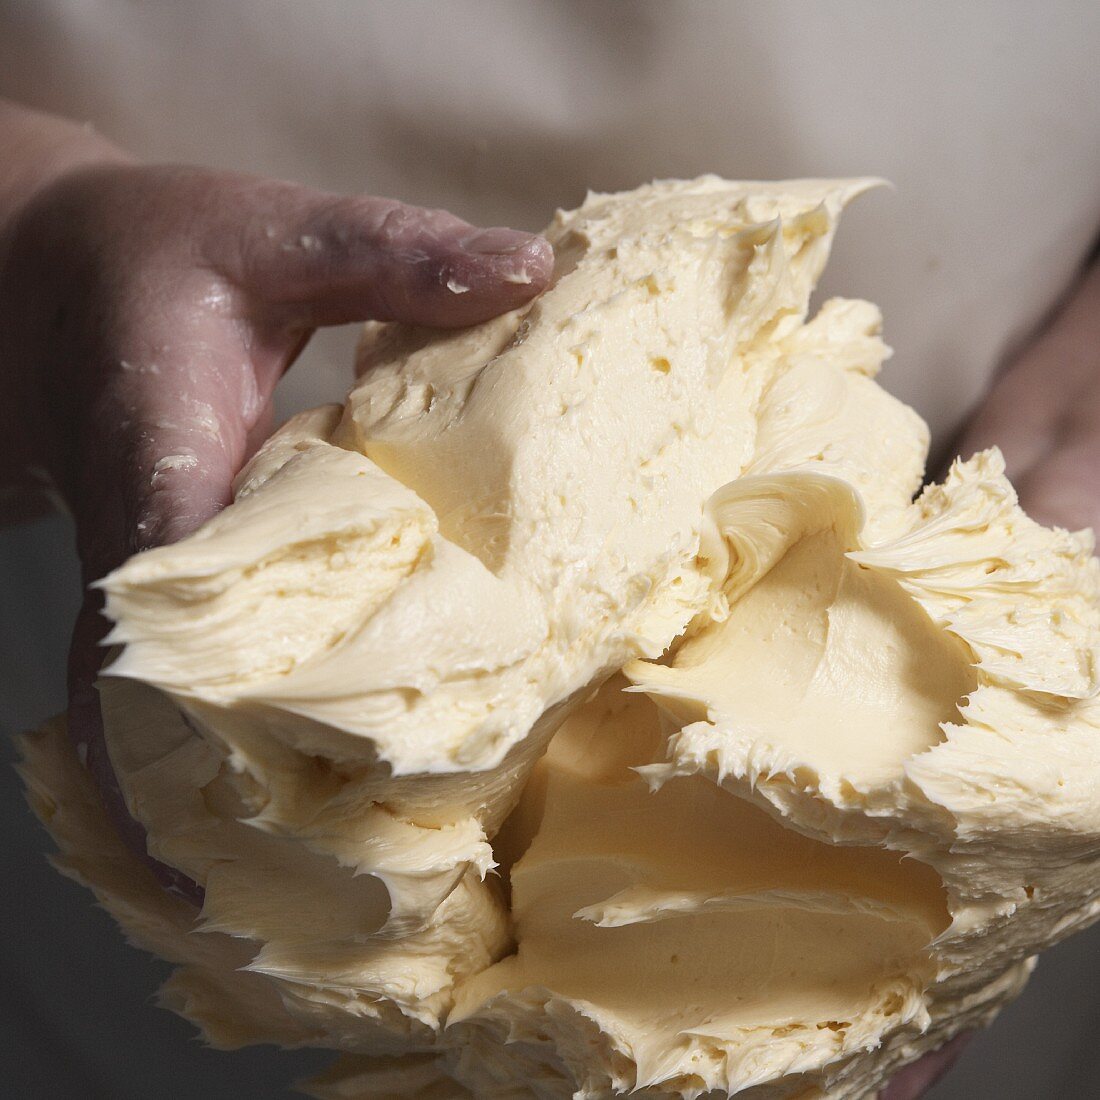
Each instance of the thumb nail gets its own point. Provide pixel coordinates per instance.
(498, 242)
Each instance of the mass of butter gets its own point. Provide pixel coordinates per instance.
(591, 707)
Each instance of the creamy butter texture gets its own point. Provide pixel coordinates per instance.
(588, 706)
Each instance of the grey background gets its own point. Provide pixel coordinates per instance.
(76, 1009)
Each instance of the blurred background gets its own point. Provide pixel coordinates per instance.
(984, 116)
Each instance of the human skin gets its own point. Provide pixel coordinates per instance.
(146, 314)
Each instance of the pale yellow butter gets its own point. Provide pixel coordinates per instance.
(587, 707)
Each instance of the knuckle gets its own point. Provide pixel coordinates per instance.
(396, 225)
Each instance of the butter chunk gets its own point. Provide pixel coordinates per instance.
(596, 704)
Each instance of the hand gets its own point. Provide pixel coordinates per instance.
(1043, 412)
(146, 315)
(915, 1080)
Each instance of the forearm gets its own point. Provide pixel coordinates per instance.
(38, 150)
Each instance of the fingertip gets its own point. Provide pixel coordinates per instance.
(498, 240)
(534, 265)
(492, 272)
(364, 258)
(515, 257)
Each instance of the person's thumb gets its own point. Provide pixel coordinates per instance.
(320, 259)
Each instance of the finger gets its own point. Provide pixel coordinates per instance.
(167, 428)
(915, 1080)
(331, 260)
(259, 432)
(1061, 489)
(1049, 386)
(1022, 414)
(164, 437)
(155, 467)
(85, 723)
